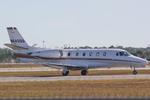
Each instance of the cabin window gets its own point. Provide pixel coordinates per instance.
(69, 54)
(61, 53)
(98, 54)
(104, 54)
(90, 53)
(77, 54)
(84, 54)
(117, 54)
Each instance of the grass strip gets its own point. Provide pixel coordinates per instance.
(100, 88)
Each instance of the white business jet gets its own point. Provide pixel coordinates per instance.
(72, 59)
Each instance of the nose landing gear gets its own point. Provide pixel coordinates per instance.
(134, 72)
(84, 72)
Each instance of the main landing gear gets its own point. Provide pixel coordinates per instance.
(65, 72)
(84, 72)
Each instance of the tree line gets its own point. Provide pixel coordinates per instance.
(6, 55)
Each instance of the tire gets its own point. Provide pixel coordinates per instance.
(84, 72)
(135, 72)
(65, 73)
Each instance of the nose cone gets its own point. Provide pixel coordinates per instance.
(145, 61)
(142, 61)
(139, 62)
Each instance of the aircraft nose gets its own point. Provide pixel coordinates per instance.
(141, 60)
(144, 61)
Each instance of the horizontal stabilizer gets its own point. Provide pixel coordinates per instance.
(15, 47)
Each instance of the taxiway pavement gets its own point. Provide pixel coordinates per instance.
(34, 69)
(67, 78)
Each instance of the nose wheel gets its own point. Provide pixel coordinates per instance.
(84, 72)
(134, 72)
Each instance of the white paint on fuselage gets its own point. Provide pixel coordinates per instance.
(85, 58)
(71, 58)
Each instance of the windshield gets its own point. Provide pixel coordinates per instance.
(123, 53)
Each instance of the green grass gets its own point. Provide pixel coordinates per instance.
(101, 88)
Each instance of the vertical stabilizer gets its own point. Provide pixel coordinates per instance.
(16, 38)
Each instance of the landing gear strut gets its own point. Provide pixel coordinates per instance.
(65, 72)
(84, 72)
(134, 71)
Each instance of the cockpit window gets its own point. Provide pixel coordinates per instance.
(123, 53)
(126, 54)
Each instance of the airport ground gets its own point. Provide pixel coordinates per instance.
(37, 70)
(72, 88)
(98, 88)
(72, 73)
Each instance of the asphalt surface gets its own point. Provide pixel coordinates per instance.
(34, 69)
(63, 78)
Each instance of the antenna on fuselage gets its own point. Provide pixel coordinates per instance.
(43, 42)
(34, 45)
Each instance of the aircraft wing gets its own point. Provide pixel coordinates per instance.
(61, 65)
(73, 66)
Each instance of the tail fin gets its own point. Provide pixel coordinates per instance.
(16, 38)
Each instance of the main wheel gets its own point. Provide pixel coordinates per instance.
(134, 72)
(84, 72)
(65, 73)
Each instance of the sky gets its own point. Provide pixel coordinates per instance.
(77, 22)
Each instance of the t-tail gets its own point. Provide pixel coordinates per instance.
(17, 41)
